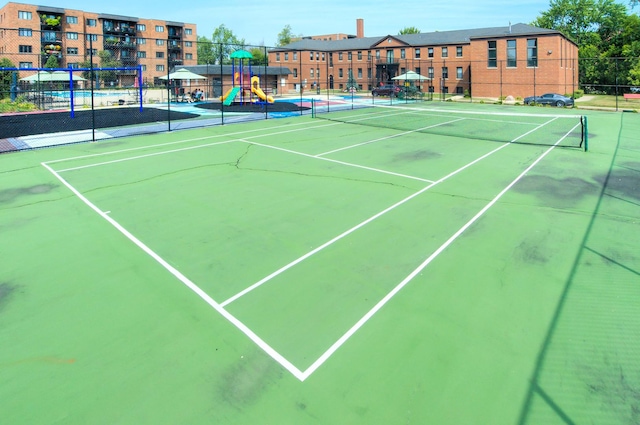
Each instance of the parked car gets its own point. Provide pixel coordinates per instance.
(386, 90)
(549, 99)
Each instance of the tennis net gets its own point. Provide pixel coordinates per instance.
(522, 128)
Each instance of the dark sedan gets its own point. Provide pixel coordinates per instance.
(386, 90)
(549, 99)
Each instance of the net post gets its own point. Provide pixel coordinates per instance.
(585, 132)
(313, 108)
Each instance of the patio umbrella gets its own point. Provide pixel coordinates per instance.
(183, 74)
(411, 76)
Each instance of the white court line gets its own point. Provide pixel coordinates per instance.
(237, 133)
(182, 278)
(421, 267)
(389, 137)
(348, 164)
(131, 158)
(220, 308)
(367, 221)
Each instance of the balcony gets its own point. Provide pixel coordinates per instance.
(51, 37)
(50, 22)
(115, 27)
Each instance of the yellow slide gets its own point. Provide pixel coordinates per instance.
(255, 89)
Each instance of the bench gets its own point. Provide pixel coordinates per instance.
(628, 96)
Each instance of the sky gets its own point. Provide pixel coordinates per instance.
(259, 22)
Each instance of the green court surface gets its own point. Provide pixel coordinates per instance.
(469, 269)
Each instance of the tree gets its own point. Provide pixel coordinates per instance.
(206, 51)
(259, 56)
(52, 62)
(284, 36)
(6, 78)
(107, 60)
(226, 43)
(409, 30)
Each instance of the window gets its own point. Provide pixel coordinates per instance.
(159, 28)
(295, 72)
(141, 27)
(92, 37)
(359, 72)
(403, 54)
(141, 41)
(417, 53)
(72, 36)
(141, 54)
(143, 67)
(317, 56)
(458, 51)
(359, 56)
(188, 43)
(24, 32)
(277, 57)
(73, 65)
(377, 54)
(286, 56)
(72, 19)
(430, 73)
(310, 56)
(24, 15)
(492, 54)
(159, 67)
(445, 52)
(295, 56)
(311, 72)
(339, 56)
(340, 73)
(159, 42)
(511, 54)
(188, 31)
(72, 50)
(92, 23)
(323, 56)
(445, 72)
(188, 56)
(159, 55)
(25, 49)
(532, 52)
(26, 65)
(459, 73)
(430, 52)
(349, 56)
(92, 52)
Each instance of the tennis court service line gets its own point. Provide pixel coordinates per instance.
(404, 133)
(425, 263)
(182, 278)
(367, 221)
(348, 164)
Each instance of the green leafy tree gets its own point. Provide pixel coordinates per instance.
(52, 62)
(206, 51)
(108, 61)
(259, 56)
(6, 78)
(285, 36)
(409, 30)
(226, 43)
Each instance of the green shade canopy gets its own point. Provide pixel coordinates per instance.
(241, 54)
(44, 76)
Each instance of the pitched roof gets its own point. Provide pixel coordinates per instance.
(422, 39)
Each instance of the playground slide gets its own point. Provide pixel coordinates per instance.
(231, 94)
(224, 96)
(255, 89)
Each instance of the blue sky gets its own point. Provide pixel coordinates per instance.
(260, 21)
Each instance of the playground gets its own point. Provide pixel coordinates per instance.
(246, 88)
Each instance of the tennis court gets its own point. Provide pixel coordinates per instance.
(420, 263)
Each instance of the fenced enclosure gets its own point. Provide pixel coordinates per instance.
(117, 83)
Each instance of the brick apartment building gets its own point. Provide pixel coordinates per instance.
(30, 34)
(517, 60)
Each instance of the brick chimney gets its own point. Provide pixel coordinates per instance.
(359, 28)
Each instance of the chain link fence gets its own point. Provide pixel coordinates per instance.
(63, 87)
